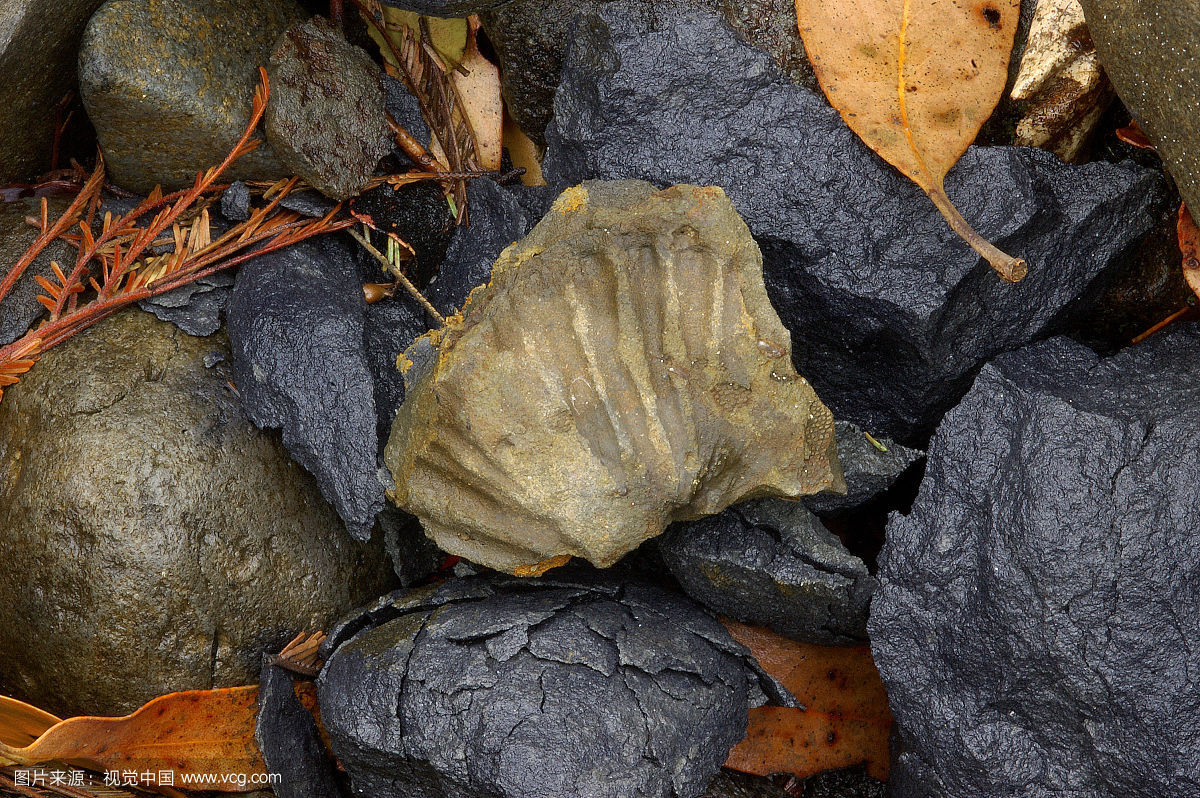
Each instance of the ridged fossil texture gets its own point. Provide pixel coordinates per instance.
(622, 369)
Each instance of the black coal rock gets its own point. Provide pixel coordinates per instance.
(290, 743)
(497, 686)
(391, 325)
(196, 307)
(296, 324)
(499, 216)
(890, 313)
(772, 563)
(326, 118)
(1035, 624)
(869, 467)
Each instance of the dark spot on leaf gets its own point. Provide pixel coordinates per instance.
(992, 16)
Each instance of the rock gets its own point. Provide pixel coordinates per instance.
(530, 38)
(1035, 624)
(326, 119)
(166, 111)
(1146, 47)
(194, 308)
(290, 743)
(869, 469)
(500, 216)
(390, 327)
(419, 214)
(772, 563)
(444, 8)
(891, 313)
(850, 782)
(153, 539)
(405, 109)
(20, 309)
(622, 369)
(38, 41)
(235, 202)
(296, 322)
(507, 688)
(731, 784)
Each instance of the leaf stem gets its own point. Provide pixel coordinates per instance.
(1009, 268)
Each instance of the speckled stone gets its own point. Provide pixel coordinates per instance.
(153, 540)
(1151, 51)
(38, 39)
(168, 85)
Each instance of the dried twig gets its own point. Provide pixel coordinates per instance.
(400, 277)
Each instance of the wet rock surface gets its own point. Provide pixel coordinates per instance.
(165, 112)
(287, 736)
(530, 38)
(869, 465)
(419, 215)
(575, 408)
(154, 539)
(195, 308)
(20, 309)
(494, 686)
(1146, 48)
(891, 314)
(296, 322)
(1035, 623)
(38, 42)
(772, 563)
(326, 119)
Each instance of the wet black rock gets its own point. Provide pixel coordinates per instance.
(731, 784)
(290, 743)
(419, 214)
(772, 563)
(153, 539)
(165, 112)
(500, 215)
(497, 686)
(530, 38)
(235, 202)
(870, 466)
(391, 325)
(326, 119)
(852, 782)
(296, 322)
(890, 313)
(38, 43)
(196, 307)
(405, 109)
(20, 309)
(1035, 624)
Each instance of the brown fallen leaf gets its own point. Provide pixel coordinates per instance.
(1189, 247)
(21, 723)
(1133, 135)
(845, 720)
(915, 79)
(188, 733)
(477, 83)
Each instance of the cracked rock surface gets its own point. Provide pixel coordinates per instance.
(891, 314)
(773, 563)
(869, 469)
(507, 688)
(1036, 622)
(153, 539)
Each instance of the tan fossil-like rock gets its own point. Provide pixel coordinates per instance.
(623, 369)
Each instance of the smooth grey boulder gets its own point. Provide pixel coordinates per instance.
(772, 563)
(501, 687)
(1150, 51)
(325, 118)
(20, 309)
(168, 85)
(38, 43)
(297, 322)
(891, 314)
(153, 539)
(870, 467)
(1036, 623)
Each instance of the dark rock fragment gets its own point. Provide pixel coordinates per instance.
(20, 309)
(196, 307)
(153, 539)
(165, 112)
(391, 325)
(235, 202)
(772, 563)
(495, 686)
(869, 470)
(296, 322)
(38, 43)
(291, 746)
(326, 118)
(1035, 624)
(419, 214)
(890, 313)
(405, 109)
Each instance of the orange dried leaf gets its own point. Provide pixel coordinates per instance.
(845, 720)
(199, 731)
(21, 723)
(1189, 247)
(915, 79)
(1133, 135)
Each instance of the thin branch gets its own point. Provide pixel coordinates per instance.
(399, 275)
